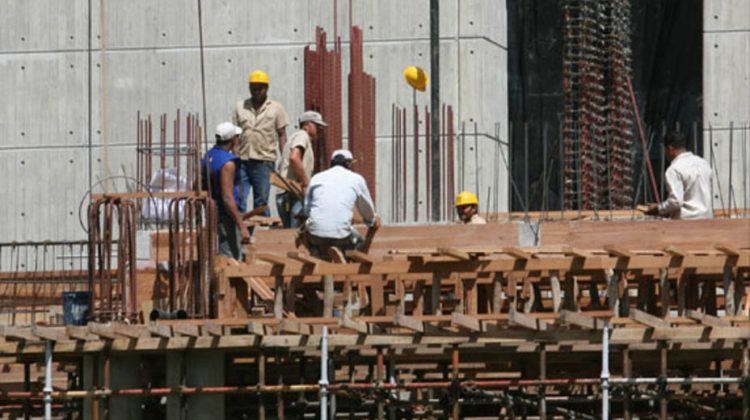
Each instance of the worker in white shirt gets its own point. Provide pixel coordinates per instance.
(329, 206)
(688, 182)
(297, 162)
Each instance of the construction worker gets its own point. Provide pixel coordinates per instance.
(688, 182)
(297, 162)
(221, 166)
(329, 205)
(467, 207)
(263, 122)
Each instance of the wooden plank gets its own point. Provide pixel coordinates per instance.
(294, 327)
(359, 256)
(160, 330)
(188, 330)
(354, 325)
(648, 319)
(255, 328)
(103, 331)
(618, 251)
(212, 329)
(580, 320)
(455, 253)
(304, 258)
(516, 253)
(705, 319)
(51, 333)
(78, 332)
(16, 333)
(675, 251)
(408, 322)
(130, 331)
(577, 253)
(466, 322)
(272, 258)
(728, 249)
(527, 321)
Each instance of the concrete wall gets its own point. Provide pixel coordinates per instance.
(48, 160)
(726, 96)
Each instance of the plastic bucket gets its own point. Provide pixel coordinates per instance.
(76, 307)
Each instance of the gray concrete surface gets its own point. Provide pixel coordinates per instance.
(726, 96)
(48, 160)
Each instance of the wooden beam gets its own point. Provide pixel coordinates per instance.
(618, 251)
(103, 331)
(728, 249)
(455, 253)
(160, 330)
(130, 331)
(466, 322)
(354, 325)
(408, 322)
(527, 321)
(15, 333)
(188, 330)
(359, 256)
(706, 319)
(675, 251)
(304, 258)
(272, 258)
(575, 252)
(212, 330)
(78, 332)
(581, 320)
(516, 253)
(255, 328)
(51, 333)
(293, 327)
(648, 319)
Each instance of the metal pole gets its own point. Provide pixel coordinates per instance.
(324, 374)
(435, 107)
(605, 372)
(48, 381)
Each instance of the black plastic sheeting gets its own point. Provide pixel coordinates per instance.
(667, 56)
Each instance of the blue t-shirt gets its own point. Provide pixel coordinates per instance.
(217, 158)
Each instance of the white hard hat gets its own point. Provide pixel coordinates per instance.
(226, 131)
(347, 155)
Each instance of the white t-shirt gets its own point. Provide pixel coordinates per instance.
(302, 140)
(688, 181)
(331, 197)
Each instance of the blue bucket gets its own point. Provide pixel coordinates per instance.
(76, 307)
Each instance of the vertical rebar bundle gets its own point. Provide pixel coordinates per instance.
(362, 113)
(597, 118)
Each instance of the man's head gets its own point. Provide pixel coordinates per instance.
(674, 144)
(467, 205)
(228, 136)
(342, 157)
(310, 121)
(258, 84)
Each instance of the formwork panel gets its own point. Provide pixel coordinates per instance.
(241, 22)
(43, 25)
(723, 15)
(481, 18)
(144, 23)
(726, 80)
(43, 203)
(483, 84)
(730, 164)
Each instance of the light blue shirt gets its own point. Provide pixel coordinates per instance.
(331, 197)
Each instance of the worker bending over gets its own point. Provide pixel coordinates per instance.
(688, 182)
(467, 207)
(263, 124)
(221, 166)
(329, 205)
(296, 167)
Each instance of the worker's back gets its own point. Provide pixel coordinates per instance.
(330, 201)
(692, 175)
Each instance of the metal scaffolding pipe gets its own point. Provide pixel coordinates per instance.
(605, 372)
(48, 381)
(324, 374)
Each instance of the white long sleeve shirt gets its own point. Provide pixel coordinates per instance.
(330, 200)
(688, 182)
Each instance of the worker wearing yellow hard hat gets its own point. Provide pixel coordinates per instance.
(263, 122)
(467, 207)
(417, 78)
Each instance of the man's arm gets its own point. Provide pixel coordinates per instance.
(227, 197)
(281, 132)
(295, 163)
(675, 200)
(364, 203)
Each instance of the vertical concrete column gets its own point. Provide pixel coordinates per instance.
(125, 371)
(205, 368)
(175, 372)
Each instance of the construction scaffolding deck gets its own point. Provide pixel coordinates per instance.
(495, 321)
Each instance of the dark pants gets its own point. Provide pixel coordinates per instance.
(319, 246)
(229, 237)
(256, 177)
(289, 207)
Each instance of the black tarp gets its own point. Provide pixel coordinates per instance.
(667, 51)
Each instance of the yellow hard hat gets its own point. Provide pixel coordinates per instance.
(466, 198)
(417, 78)
(258, 76)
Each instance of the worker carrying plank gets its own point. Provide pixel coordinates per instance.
(467, 207)
(688, 182)
(221, 166)
(329, 206)
(263, 122)
(296, 167)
